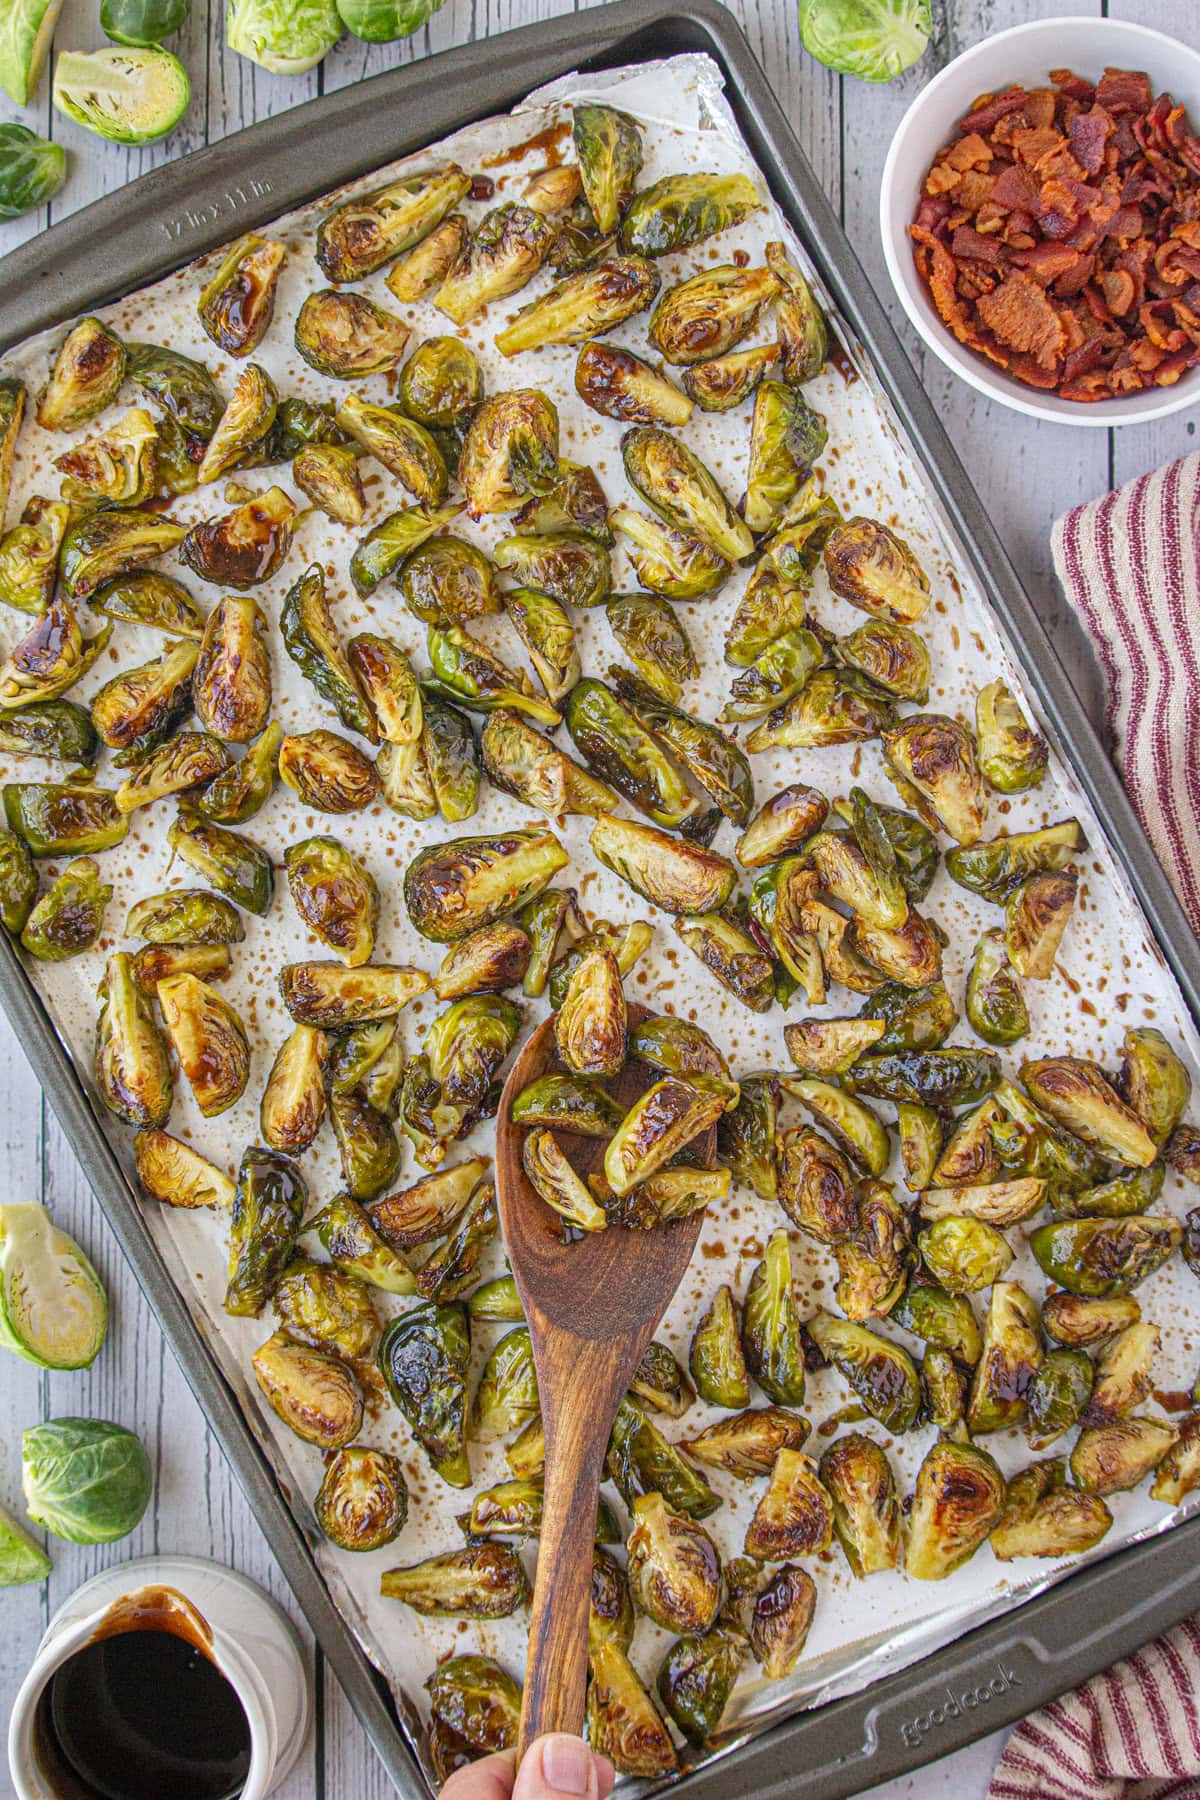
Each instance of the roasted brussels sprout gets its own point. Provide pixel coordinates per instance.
(298, 423)
(1008, 1361)
(325, 1308)
(327, 474)
(831, 708)
(674, 1569)
(545, 629)
(135, 712)
(507, 1395)
(627, 944)
(293, 1102)
(511, 452)
(243, 426)
(362, 234)
(453, 888)
(996, 1202)
(1058, 1394)
(944, 1320)
(964, 1255)
(1123, 1374)
(717, 1363)
(175, 1174)
(478, 1700)
(608, 145)
(1153, 1081)
(776, 676)
(590, 1025)
(682, 210)
(919, 1129)
(428, 263)
(237, 304)
(185, 916)
(1182, 1152)
(522, 761)
(12, 414)
(131, 1065)
(441, 384)
(59, 819)
(661, 1122)
(424, 1356)
(858, 1478)
(157, 962)
(623, 1722)
(1042, 1517)
(995, 1001)
(428, 1210)
(468, 671)
(854, 1128)
(771, 1341)
(328, 772)
(670, 563)
(1179, 1471)
(362, 1502)
(746, 1136)
(1078, 1097)
(18, 881)
(1011, 754)
(497, 1300)
(332, 997)
(891, 656)
(875, 570)
(1079, 1321)
(882, 1375)
(708, 314)
(712, 759)
(488, 960)
(153, 599)
(723, 382)
(619, 385)
(748, 1444)
(732, 956)
(803, 338)
(610, 1619)
(347, 1235)
(680, 877)
(268, 1206)
(655, 642)
(88, 371)
(552, 1176)
(1037, 914)
(941, 1077)
(181, 763)
(582, 306)
(311, 640)
(231, 686)
(312, 1391)
(231, 863)
(678, 1047)
(182, 386)
(209, 1041)
(406, 450)
(698, 1676)
(574, 1103)
(786, 437)
(1111, 1458)
(642, 1461)
(504, 253)
(1104, 1258)
(387, 545)
(874, 1260)
(348, 336)
(795, 1515)
(29, 555)
(936, 757)
(780, 1622)
(816, 1188)
(830, 1046)
(117, 464)
(958, 1500)
(244, 547)
(481, 1581)
(682, 491)
(970, 1158)
(69, 916)
(997, 865)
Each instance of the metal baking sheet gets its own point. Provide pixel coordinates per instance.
(710, 31)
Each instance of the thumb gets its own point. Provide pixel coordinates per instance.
(560, 1767)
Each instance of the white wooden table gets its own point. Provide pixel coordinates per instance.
(1027, 474)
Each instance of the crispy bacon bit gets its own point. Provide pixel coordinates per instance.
(1059, 235)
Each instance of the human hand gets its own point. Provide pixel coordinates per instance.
(557, 1767)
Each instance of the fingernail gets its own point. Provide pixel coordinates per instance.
(567, 1765)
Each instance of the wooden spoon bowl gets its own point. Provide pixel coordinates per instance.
(592, 1308)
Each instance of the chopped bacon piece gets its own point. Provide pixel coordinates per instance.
(974, 190)
(1084, 360)
(1015, 188)
(1020, 315)
(1040, 106)
(1046, 262)
(1093, 386)
(1124, 90)
(1032, 143)
(1074, 86)
(969, 243)
(1172, 367)
(1119, 291)
(989, 109)
(1089, 133)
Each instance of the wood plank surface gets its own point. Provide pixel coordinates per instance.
(1027, 476)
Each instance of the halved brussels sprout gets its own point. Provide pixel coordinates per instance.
(1182, 1152)
(610, 1616)
(453, 888)
(708, 314)
(293, 1102)
(936, 757)
(312, 642)
(782, 825)
(507, 1395)
(244, 787)
(795, 1515)
(185, 916)
(268, 1206)
(678, 1047)
(874, 1261)
(552, 1176)
(1153, 1081)
(944, 1394)
(1179, 1471)
(627, 943)
(135, 712)
(488, 960)
(830, 1046)
(362, 1502)
(573, 1103)
(570, 566)
(18, 881)
(12, 413)
(347, 1235)
(470, 672)
(448, 581)
(941, 1077)
(497, 1300)
(1011, 754)
(816, 1188)
(129, 96)
(503, 254)
(153, 599)
(332, 997)
(582, 305)
(237, 304)
(182, 386)
(243, 426)
(387, 544)
(424, 1358)
(698, 1676)
(69, 916)
(919, 1129)
(642, 1461)
(712, 759)
(1104, 1258)
(131, 1065)
(723, 382)
(793, 551)
(441, 384)
(590, 1024)
(348, 336)
(158, 962)
(674, 1569)
(522, 761)
(477, 1700)
(944, 1320)
(430, 261)
(53, 655)
(327, 474)
(209, 1041)
(1008, 1361)
(1037, 914)
(60, 819)
(1123, 1374)
(428, 1210)
(544, 627)
(1080, 1321)
(231, 686)
(964, 1255)
(242, 548)
(314, 1393)
(681, 210)
(230, 862)
(481, 1581)
(175, 1174)
(803, 338)
(996, 866)
(623, 1722)
(670, 563)
(181, 763)
(655, 642)
(804, 935)
(29, 555)
(891, 656)
(995, 1001)
(732, 956)
(619, 385)
(771, 1342)
(999, 1203)
(1108, 1459)
(854, 1128)
(958, 1500)
(717, 1362)
(87, 374)
(857, 1476)
(359, 236)
(831, 708)
(779, 1625)
(117, 464)
(748, 1444)
(661, 1122)
(1043, 1517)
(682, 491)
(862, 871)
(511, 452)
(746, 1136)
(680, 877)
(775, 676)
(882, 1375)
(1056, 1397)
(328, 772)
(1078, 1096)
(320, 1306)
(407, 450)
(608, 145)
(873, 568)
(786, 437)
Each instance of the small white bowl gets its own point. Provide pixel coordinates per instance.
(1026, 54)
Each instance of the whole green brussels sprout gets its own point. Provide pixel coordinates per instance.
(143, 22)
(85, 1479)
(381, 21)
(285, 37)
(31, 170)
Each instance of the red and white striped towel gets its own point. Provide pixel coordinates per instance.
(1132, 1733)
(1130, 563)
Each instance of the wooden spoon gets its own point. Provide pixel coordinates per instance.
(592, 1308)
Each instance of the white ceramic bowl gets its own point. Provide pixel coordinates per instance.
(1025, 54)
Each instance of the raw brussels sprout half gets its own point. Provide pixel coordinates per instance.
(129, 96)
(53, 1308)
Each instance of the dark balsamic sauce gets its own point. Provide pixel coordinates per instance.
(142, 1716)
